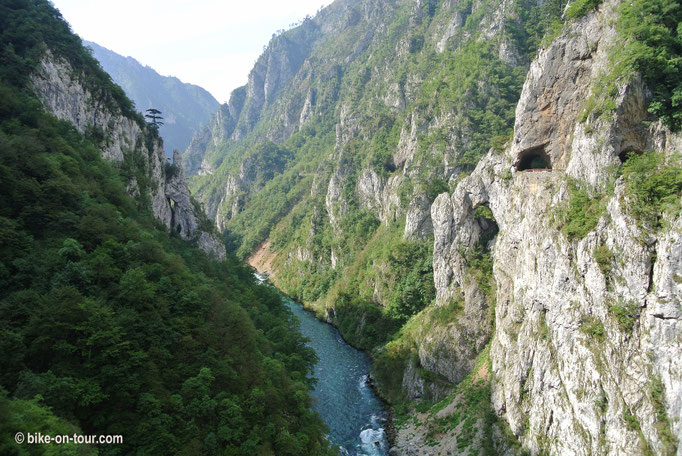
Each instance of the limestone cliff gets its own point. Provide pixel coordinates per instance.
(568, 375)
(213, 135)
(127, 142)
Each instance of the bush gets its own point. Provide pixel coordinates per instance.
(650, 29)
(434, 187)
(604, 258)
(654, 187)
(579, 8)
(626, 314)
(172, 170)
(411, 264)
(593, 327)
(581, 213)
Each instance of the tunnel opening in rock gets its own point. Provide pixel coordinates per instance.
(627, 153)
(534, 158)
(389, 165)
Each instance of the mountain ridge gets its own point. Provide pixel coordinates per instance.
(186, 107)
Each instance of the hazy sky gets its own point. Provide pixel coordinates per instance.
(211, 43)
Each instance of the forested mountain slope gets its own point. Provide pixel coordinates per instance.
(350, 126)
(186, 107)
(110, 323)
(535, 311)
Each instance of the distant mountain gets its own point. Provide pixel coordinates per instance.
(185, 107)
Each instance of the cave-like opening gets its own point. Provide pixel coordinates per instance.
(627, 153)
(389, 165)
(534, 158)
(486, 222)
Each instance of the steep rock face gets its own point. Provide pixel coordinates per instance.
(209, 137)
(208, 140)
(280, 62)
(60, 91)
(418, 224)
(183, 220)
(236, 185)
(380, 195)
(567, 377)
(416, 387)
(67, 99)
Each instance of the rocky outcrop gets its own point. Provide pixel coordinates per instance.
(207, 139)
(416, 387)
(235, 185)
(569, 377)
(59, 88)
(273, 69)
(207, 142)
(63, 95)
(449, 32)
(418, 223)
(183, 220)
(379, 194)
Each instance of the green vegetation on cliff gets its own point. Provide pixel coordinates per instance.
(652, 50)
(654, 187)
(110, 325)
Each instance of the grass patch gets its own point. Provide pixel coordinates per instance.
(656, 390)
(593, 327)
(626, 314)
(604, 257)
(581, 213)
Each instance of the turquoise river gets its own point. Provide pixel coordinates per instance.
(343, 397)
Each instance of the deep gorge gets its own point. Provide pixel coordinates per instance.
(485, 196)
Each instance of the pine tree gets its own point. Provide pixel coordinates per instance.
(154, 116)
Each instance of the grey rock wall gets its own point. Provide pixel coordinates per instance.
(563, 386)
(58, 87)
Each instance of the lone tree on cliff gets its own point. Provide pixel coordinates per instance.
(154, 116)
